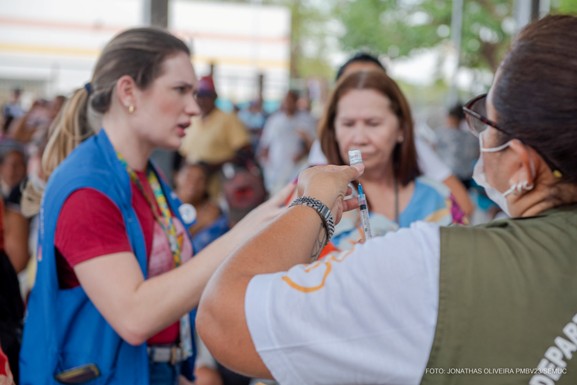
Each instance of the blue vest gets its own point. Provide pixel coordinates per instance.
(63, 329)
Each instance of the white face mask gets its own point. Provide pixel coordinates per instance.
(479, 177)
(499, 198)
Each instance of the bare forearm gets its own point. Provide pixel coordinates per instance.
(276, 248)
(139, 308)
(291, 239)
(221, 319)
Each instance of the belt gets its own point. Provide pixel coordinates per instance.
(170, 353)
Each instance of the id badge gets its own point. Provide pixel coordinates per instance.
(185, 336)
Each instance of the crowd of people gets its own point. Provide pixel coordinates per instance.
(254, 223)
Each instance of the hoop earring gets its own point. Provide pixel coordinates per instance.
(131, 109)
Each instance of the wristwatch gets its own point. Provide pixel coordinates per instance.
(321, 209)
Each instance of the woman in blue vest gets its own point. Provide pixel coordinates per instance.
(117, 286)
(489, 304)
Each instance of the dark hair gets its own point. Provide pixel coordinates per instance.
(457, 112)
(535, 94)
(359, 57)
(292, 94)
(138, 53)
(404, 155)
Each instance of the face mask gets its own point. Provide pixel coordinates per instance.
(479, 177)
(499, 198)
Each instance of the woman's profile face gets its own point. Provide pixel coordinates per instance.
(365, 121)
(165, 108)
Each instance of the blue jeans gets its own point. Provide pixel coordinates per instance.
(163, 373)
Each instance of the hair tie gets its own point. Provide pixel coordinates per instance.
(88, 88)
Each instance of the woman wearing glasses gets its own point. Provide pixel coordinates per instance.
(490, 304)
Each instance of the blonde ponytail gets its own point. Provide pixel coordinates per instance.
(68, 130)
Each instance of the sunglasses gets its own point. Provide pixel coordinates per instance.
(476, 116)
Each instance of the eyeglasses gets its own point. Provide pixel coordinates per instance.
(475, 113)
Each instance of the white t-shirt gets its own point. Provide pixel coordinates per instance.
(280, 136)
(366, 316)
(429, 162)
(316, 156)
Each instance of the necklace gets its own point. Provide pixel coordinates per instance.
(163, 217)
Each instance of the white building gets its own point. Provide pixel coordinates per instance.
(49, 47)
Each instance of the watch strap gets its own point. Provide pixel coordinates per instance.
(322, 210)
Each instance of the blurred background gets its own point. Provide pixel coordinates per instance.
(440, 51)
(251, 55)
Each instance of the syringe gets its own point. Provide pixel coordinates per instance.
(364, 209)
(355, 157)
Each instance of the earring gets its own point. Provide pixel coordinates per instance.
(526, 186)
(131, 109)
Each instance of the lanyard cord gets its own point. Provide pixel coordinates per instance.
(397, 201)
(166, 222)
(164, 217)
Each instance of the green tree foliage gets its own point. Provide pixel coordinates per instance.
(398, 28)
(309, 47)
(565, 6)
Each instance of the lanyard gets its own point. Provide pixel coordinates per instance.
(164, 217)
(165, 220)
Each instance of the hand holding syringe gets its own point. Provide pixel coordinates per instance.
(355, 158)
